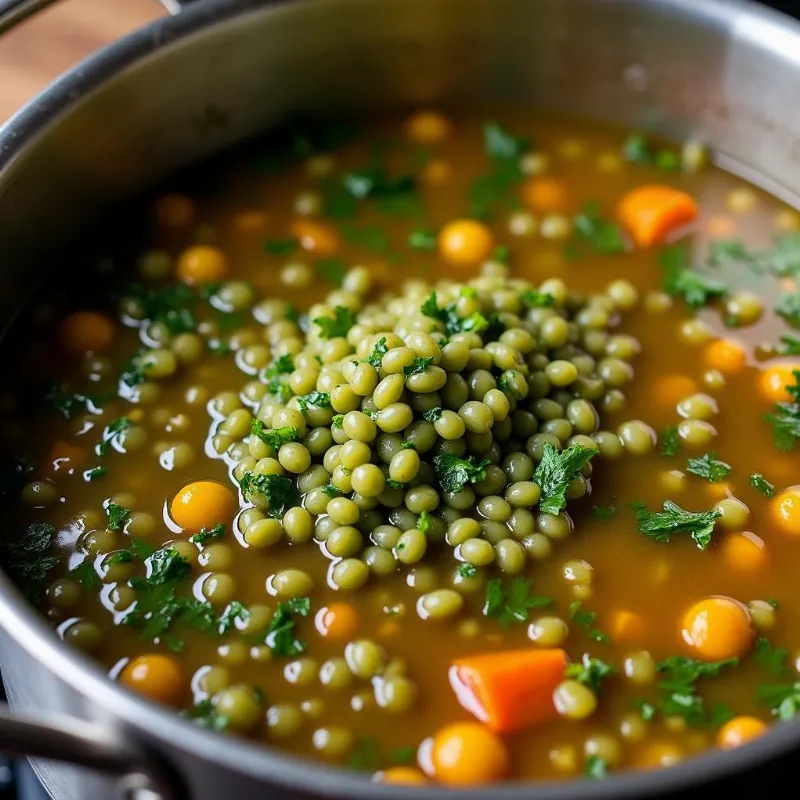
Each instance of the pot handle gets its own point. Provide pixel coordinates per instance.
(12, 12)
(139, 772)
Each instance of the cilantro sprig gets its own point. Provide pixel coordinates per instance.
(661, 525)
(555, 472)
(512, 604)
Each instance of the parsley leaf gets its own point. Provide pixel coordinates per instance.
(601, 235)
(86, 575)
(708, 467)
(378, 352)
(604, 513)
(670, 442)
(590, 672)
(678, 691)
(271, 375)
(679, 280)
(365, 755)
(789, 345)
(646, 710)
(448, 316)
(117, 516)
(417, 366)
(111, 432)
(233, 611)
(171, 305)
(207, 534)
(501, 144)
(338, 325)
(206, 715)
(432, 414)
(788, 307)
(422, 240)
(26, 560)
(331, 491)
(531, 298)
(512, 604)
(94, 473)
(70, 404)
(555, 471)
(772, 659)
(281, 637)
(596, 767)
(467, 570)
(274, 437)
(316, 399)
(785, 418)
(279, 492)
(761, 484)
(660, 525)
(783, 699)
(586, 621)
(455, 473)
(423, 522)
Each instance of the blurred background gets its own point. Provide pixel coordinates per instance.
(31, 56)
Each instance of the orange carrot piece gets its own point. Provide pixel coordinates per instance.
(510, 690)
(653, 211)
(627, 626)
(64, 458)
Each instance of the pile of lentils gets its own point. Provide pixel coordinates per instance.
(383, 426)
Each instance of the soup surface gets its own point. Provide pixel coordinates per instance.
(445, 449)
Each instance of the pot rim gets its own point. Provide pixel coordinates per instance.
(30, 631)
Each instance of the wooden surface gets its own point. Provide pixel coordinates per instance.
(52, 41)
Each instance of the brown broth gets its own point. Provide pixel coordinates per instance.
(659, 581)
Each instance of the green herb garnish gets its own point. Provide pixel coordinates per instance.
(670, 442)
(596, 767)
(761, 484)
(432, 414)
(660, 525)
(112, 432)
(455, 473)
(378, 352)
(279, 492)
(86, 575)
(709, 468)
(773, 659)
(417, 366)
(338, 325)
(207, 534)
(585, 619)
(280, 247)
(117, 516)
(785, 418)
(467, 570)
(274, 437)
(26, 560)
(590, 672)
(513, 603)
(281, 638)
(555, 472)
(601, 235)
(679, 280)
(604, 513)
(678, 691)
(422, 239)
(316, 399)
(95, 473)
(788, 307)
(534, 299)
(783, 699)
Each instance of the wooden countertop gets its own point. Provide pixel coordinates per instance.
(55, 39)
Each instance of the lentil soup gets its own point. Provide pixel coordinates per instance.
(449, 449)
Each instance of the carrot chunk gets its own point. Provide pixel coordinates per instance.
(627, 626)
(511, 690)
(64, 459)
(653, 211)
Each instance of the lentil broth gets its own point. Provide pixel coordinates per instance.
(366, 706)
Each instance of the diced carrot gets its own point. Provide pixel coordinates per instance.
(650, 213)
(509, 690)
(544, 194)
(64, 459)
(726, 355)
(316, 237)
(627, 626)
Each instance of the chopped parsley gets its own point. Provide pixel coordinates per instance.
(207, 534)
(432, 414)
(171, 305)
(679, 280)
(709, 468)
(274, 437)
(789, 345)
(494, 189)
(26, 560)
(467, 570)
(601, 235)
(513, 603)
(86, 575)
(555, 471)
(365, 755)
(279, 492)
(604, 513)
(646, 710)
(408, 446)
(785, 418)
(338, 325)
(206, 715)
(70, 404)
(590, 672)
(422, 239)
(678, 693)
(453, 323)
(596, 767)
(788, 307)
(337, 421)
(316, 399)
(280, 247)
(331, 491)
(378, 352)
(272, 376)
(112, 432)
(637, 150)
(281, 637)
(117, 516)
(424, 522)
(761, 484)
(660, 525)
(375, 182)
(783, 699)
(531, 298)
(94, 473)
(670, 442)
(233, 611)
(585, 619)
(455, 473)
(417, 366)
(774, 660)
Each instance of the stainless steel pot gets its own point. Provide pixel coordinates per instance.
(223, 70)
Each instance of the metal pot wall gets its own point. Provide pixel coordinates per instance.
(223, 70)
